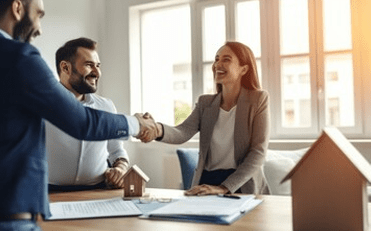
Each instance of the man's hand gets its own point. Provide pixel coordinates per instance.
(114, 176)
(206, 189)
(149, 130)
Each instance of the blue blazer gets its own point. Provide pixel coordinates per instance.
(29, 93)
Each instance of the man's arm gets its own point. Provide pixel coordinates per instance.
(43, 95)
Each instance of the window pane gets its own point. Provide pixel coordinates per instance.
(248, 25)
(294, 27)
(337, 25)
(213, 31)
(209, 87)
(339, 90)
(296, 92)
(166, 63)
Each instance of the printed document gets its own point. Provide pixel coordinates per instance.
(93, 208)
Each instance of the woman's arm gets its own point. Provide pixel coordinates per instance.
(185, 131)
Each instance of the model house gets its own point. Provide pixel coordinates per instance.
(329, 186)
(135, 182)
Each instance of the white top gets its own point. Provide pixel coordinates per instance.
(222, 142)
(76, 162)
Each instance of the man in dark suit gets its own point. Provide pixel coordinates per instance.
(29, 93)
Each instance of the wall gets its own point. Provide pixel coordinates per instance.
(70, 19)
(108, 23)
(65, 20)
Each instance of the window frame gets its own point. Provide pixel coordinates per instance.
(271, 62)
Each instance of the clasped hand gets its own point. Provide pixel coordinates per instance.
(149, 129)
(114, 176)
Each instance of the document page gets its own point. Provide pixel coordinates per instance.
(205, 206)
(93, 208)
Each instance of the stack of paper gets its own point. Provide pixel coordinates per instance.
(93, 208)
(209, 209)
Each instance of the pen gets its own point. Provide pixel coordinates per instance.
(229, 196)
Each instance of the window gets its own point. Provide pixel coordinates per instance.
(289, 113)
(332, 76)
(213, 37)
(166, 74)
(307, 53)
(333, 117)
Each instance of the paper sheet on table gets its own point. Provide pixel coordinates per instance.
(205, 205)
(93, 208)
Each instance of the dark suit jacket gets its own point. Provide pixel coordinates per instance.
(29, 93)
(251, 137)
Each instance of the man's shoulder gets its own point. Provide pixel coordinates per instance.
(102, 103)
(12, 51)
(15, 47)
(99, 98)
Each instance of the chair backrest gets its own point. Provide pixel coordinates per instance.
(278, 163)
(188, 159)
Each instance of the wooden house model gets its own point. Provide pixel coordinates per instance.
(135, 182)
(329, 186)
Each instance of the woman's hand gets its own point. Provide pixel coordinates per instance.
(147, 135)
(206, 190)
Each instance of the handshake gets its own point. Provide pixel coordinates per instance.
(149, 129)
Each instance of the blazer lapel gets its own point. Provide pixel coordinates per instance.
(240, 125)
(209, 118)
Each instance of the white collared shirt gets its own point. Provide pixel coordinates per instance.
(76, 162)
(6, 35)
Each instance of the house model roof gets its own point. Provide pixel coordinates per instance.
(349, 151)
(136, 169)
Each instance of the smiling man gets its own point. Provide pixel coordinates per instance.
(76, 164)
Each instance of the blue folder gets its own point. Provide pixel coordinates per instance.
(205, 209)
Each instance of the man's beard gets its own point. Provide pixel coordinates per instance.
(23, 30)
(80, 85)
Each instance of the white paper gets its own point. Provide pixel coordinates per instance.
(93, 208)
(205, 205)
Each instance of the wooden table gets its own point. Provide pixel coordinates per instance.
(273, 214)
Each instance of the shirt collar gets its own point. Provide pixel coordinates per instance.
(88, 100)
(6, 35)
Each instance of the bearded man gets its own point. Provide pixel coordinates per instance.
(77, 164)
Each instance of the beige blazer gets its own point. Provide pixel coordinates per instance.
(251, 137)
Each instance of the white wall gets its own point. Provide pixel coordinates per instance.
(65, 20)
(108, 23)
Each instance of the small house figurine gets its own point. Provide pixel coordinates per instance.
(135, 182)
(329, 186)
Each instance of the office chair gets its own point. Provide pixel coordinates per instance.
(188, 159)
